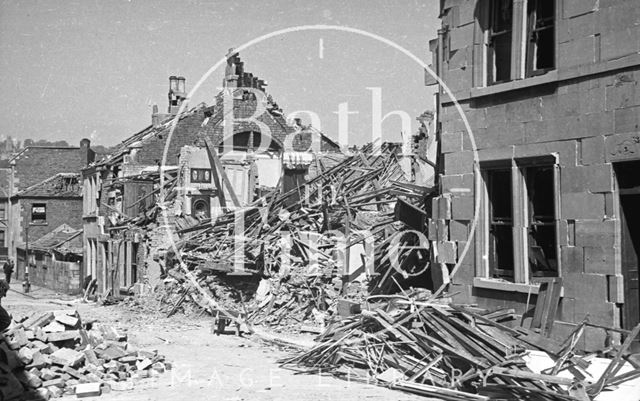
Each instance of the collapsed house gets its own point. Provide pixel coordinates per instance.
(214, 162)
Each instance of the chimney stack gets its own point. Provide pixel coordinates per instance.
(87, 155)
(177, 93)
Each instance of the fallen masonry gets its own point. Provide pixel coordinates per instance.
(40, 359)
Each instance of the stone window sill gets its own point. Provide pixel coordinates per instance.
(493, 284)
(551, 76)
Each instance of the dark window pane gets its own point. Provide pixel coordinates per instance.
(502, 15)
(501, 252)
(500, 194)
(543, 260)
(541, 37)
(540, 186)
(500, 224)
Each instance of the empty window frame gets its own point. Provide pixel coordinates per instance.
(499, 43)
(500, 223)
(39, 212)
(201, 175)
(521, 221)
(541, 235)
(540, 52)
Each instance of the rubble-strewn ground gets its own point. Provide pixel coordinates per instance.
(205, 366)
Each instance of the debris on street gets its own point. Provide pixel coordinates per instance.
(51, 354)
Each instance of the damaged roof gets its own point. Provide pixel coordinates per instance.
(61, 185)
(63, 239)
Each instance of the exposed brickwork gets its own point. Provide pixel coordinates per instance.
(59, 211)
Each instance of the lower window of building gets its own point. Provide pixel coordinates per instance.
(520, 240)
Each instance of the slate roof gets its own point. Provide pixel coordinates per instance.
(63, 239)
(61, 185)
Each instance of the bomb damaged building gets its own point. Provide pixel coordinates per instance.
(550, 92)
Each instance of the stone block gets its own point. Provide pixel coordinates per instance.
(462, 208)
(617, 14)
(566, 151)
(619, 43)
(566, 309)
(451, 142)
(458, 230)
(88, 390)
(600, 260)
(582, 205)
(622, 93)
(444, 207)
(460, 37)
(447, 252)
(63, 336)
(66, 356)
(442, 230)
(460, 57)
(477, 118)
(39, 320)
(458, 163)
(67, 320)
(572, 258)
(500, 134)
(594, 233)
(54, 383)
(594, 178)
(459, 184)
(579, 51)
(627, 119)
(592, 150)
(432, 233)
(458, 79)
(528, 109)
(585, 288)
(616, 288)
(573, 8)
(599, 311)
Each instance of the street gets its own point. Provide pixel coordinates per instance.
(205, 366)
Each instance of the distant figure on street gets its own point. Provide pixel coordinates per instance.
(8, 270)
(5, 318)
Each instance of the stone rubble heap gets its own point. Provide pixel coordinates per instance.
(51, 354)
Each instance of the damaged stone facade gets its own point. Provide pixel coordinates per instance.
(550, 91)
(118, 253)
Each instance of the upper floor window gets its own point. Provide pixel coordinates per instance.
(499, 41)
(201, 175)
(541, 37)
(520, 40)
(38, 213)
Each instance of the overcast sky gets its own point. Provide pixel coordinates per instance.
(74, 69)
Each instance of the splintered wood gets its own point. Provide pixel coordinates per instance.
(449, 352)
(335, 237)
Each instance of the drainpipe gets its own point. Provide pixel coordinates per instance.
(26, 284)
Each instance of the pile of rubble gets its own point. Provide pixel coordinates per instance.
(47, 355)
(441, 350)
(336, 237)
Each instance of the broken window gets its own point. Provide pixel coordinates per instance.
(500, 224)
(201, 175)
(499, 41)
(542, 227)
(38, 212)
(540, 32)
(520, 240)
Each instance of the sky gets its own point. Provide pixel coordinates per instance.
(93, 69)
